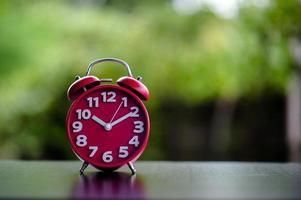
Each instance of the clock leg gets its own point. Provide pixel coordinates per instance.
(84, 166)
(132, 168)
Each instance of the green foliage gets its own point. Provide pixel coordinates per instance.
(188, 58)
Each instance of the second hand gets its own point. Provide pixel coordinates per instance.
(116, 111)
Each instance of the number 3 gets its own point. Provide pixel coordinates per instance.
(138, 127)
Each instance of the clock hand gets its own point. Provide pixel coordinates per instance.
(99, 121)
(116, 111)
(107, 126)
(121, 119)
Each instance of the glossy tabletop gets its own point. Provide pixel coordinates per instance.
(162, 180)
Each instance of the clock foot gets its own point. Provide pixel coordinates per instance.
(84, 166)
(132, 168)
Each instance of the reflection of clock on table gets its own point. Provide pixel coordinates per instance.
(108, 186)
(107, 124)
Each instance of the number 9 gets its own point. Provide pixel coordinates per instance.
(77, 126)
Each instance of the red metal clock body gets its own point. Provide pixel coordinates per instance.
(107, 124)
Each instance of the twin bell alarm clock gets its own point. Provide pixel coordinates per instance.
(107, 123)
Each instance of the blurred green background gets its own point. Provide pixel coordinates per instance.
(223, 75)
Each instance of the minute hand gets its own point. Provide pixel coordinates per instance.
(121, 119)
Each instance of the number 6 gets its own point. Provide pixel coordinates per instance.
(107, 156)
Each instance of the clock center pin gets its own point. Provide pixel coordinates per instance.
(108, 127)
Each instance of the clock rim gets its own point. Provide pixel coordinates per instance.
(135, 155)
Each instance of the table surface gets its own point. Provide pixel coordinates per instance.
(181, 180)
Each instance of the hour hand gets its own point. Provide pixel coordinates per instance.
(99, 121)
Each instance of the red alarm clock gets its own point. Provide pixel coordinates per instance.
(107, 124)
